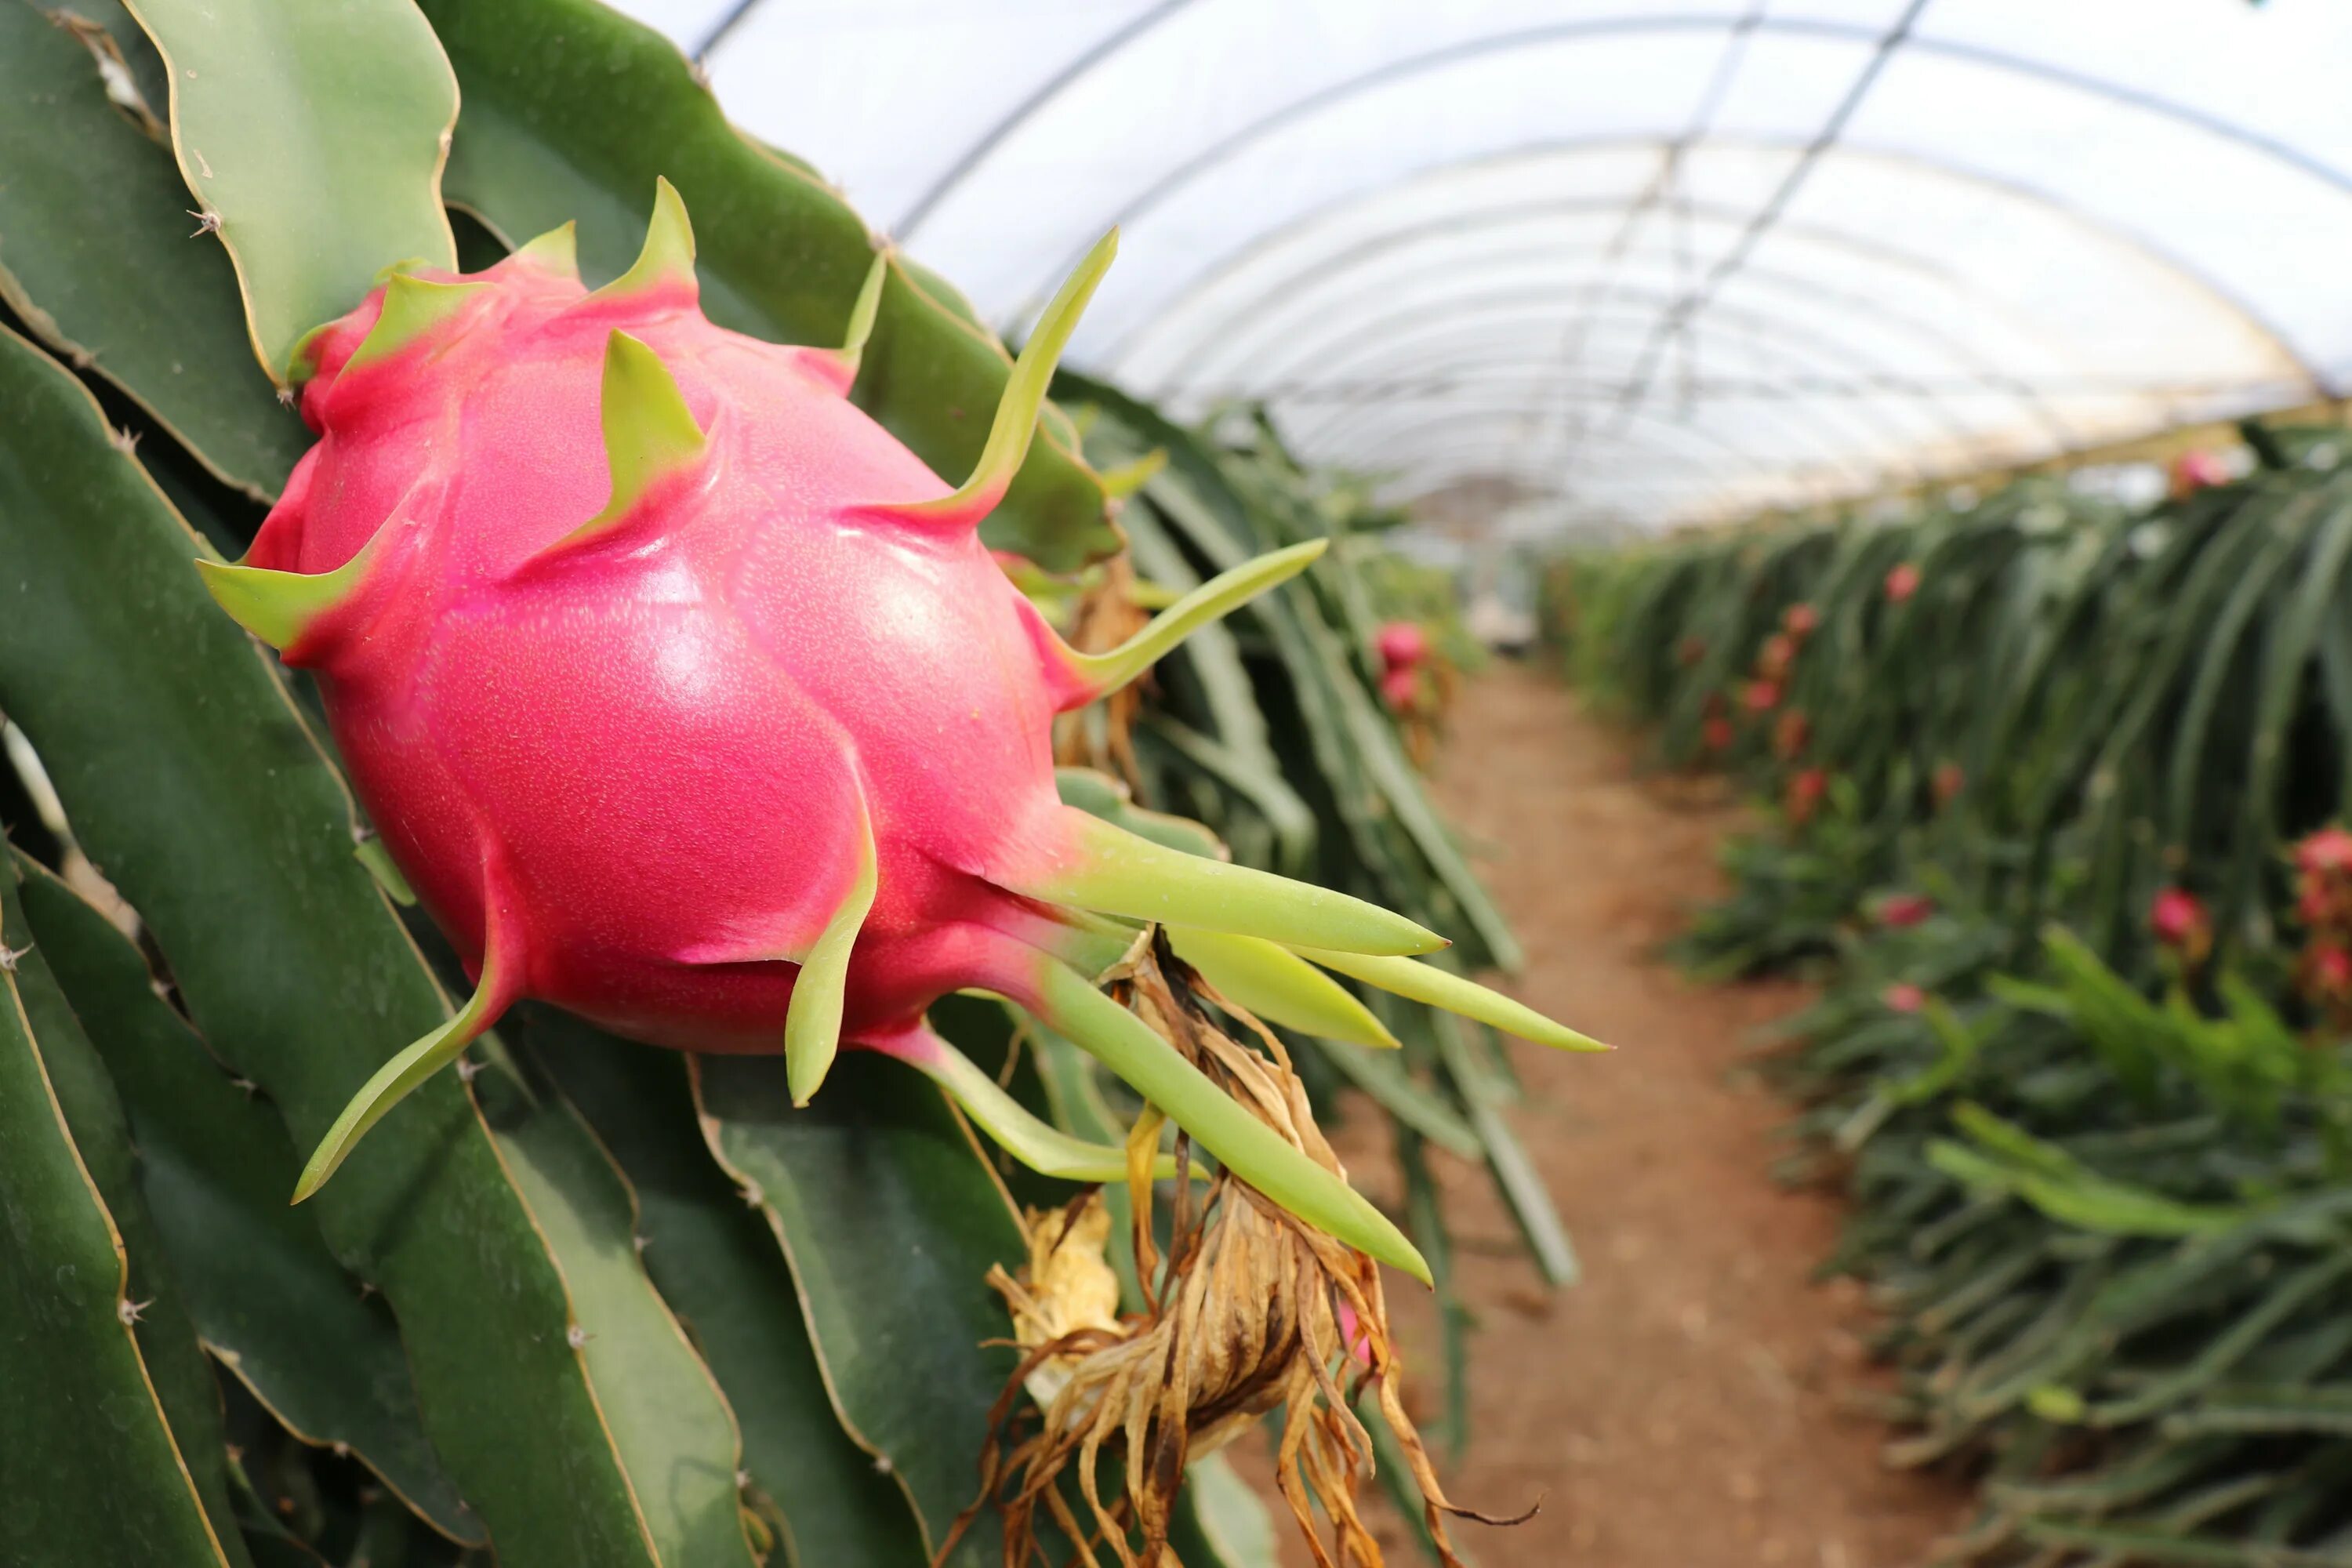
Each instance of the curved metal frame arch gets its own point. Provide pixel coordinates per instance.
(1767, 334)
(1501, 217)
(1666, 500)
(1431, 61)
(1375, 329)
(973, 156)
(1391, 429)
(1983, 371)
(1741, 459)
(1824, 235)
(2039, 200)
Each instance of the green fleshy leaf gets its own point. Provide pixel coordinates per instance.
(667, 257)
(157, 1313)
(670, 1427)
(649, 433)
(94, 1474)
(313, 137)
(1044, 1148)
(718, 1266)
(394, 1081)
(280, 606)
(413, 307)
(95, 254)
(891, 1224)
(215, 1166)
(1099, 795)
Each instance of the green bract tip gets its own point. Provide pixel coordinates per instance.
(396, 1078)
(1109, 870)
(813, 1020)
(649, 432)
(556, 251)
(1095, 674)
(1241, 1143)
(412, 308)
(1442, 988)
(278, 607)
(668, 259)
(1279, 986)
(1025, 394)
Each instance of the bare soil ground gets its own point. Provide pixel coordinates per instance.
(1687, 1404)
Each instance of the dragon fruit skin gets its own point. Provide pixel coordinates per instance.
(482, 688)
(1402, 644)
(687, 698)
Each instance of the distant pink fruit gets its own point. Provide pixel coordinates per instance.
(1898, 911)
(1902, 997)
(1401, 689)
(2179, 920)
(1402, 644)
(2327, 851)
(1805, 795)
(1902, 582)
(2196, 469)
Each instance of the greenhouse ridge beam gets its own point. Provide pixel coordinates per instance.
(1429, 383)
(1988, 375)
(1296, 335)
(1946, 221)
(1667, 178)
(1773, 335)
(911, 220)
(2213, 287)
(1677, 317)
(1228, 333)
(1374, 429)
(1225, 147)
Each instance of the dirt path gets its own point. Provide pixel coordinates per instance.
(1683, 1407)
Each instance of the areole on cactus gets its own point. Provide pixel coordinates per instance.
(687, 698)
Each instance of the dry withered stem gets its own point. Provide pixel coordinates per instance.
(1251, 1309)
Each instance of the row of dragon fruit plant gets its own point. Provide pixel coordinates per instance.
(624, 666)
(2051, 796)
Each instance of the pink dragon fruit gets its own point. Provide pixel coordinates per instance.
(687, 698)
(1401, 645)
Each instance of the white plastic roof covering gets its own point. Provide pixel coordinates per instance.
(1651, 261)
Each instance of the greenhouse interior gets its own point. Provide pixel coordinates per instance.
(1584, 795)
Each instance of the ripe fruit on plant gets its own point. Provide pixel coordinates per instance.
(1401, 689)
(1902, 582)
(2177, 919)
(1805, 792)
(688, 698)
(1401, 645)
(1899, 912)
